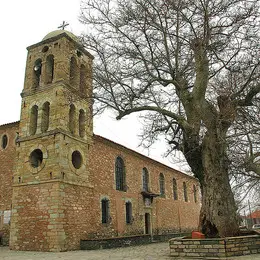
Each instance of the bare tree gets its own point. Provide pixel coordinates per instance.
(193, 67)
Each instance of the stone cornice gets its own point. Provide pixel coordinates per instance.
(52, 132)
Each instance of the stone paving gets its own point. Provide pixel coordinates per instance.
(155, 251)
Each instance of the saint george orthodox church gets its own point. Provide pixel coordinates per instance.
(60, 183)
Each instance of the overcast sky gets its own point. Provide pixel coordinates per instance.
(26, 22)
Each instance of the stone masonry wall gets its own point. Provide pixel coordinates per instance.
(216, 247)
(49, 212)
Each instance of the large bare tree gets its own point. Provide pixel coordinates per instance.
(193, 67)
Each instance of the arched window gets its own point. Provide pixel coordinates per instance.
(195, 193)
(4, 141)
(185, 195)
(174, 189)
(120, 174)
(33, 120)
(145, 177)
(49, 69)
(82, 122)
(37, 71)
(72, 117)
(128, 212)
(105, 210)
(45, 117)
(162, 185)
(82, 80)
(73, 72)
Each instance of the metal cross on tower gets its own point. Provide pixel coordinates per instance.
(63, 25)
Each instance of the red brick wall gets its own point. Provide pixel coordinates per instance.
(38, 217)
(7, 157)
(51, 216)
(79, 218)
(168, 215)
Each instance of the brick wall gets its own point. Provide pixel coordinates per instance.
(38, 217)
(168, 215)
(79, 218)
(7, 157)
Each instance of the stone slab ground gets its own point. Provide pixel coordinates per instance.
(155, 251)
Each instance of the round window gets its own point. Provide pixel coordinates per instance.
(36, 158)
(4, 141)
(45, 49)
(76, 159)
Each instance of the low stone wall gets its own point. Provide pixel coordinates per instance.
(114, 242)
(236, 246)
(90, 244)
(217, 247)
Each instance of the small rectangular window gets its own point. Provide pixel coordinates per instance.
(1, 219)
(128, 209)
(105, 211)
(175, 189)
(185, 192)
(162, 185)
(195, 193)
(145, 177)
(7, 216)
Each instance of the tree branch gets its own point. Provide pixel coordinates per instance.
(181, 120)
(247, 101)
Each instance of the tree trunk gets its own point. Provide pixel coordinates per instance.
(218, 217)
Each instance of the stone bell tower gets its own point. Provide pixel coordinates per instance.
(51, 177)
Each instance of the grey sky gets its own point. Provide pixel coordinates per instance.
(26, 22)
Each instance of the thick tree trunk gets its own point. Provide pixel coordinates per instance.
(218, 217)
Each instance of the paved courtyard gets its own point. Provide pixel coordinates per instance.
(156, 251)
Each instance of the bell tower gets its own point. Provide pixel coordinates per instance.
(55, 134)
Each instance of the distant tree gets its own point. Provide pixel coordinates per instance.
(193, 67)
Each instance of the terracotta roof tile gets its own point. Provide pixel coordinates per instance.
(7, 125)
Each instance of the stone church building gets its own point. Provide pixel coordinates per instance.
(60, 183)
